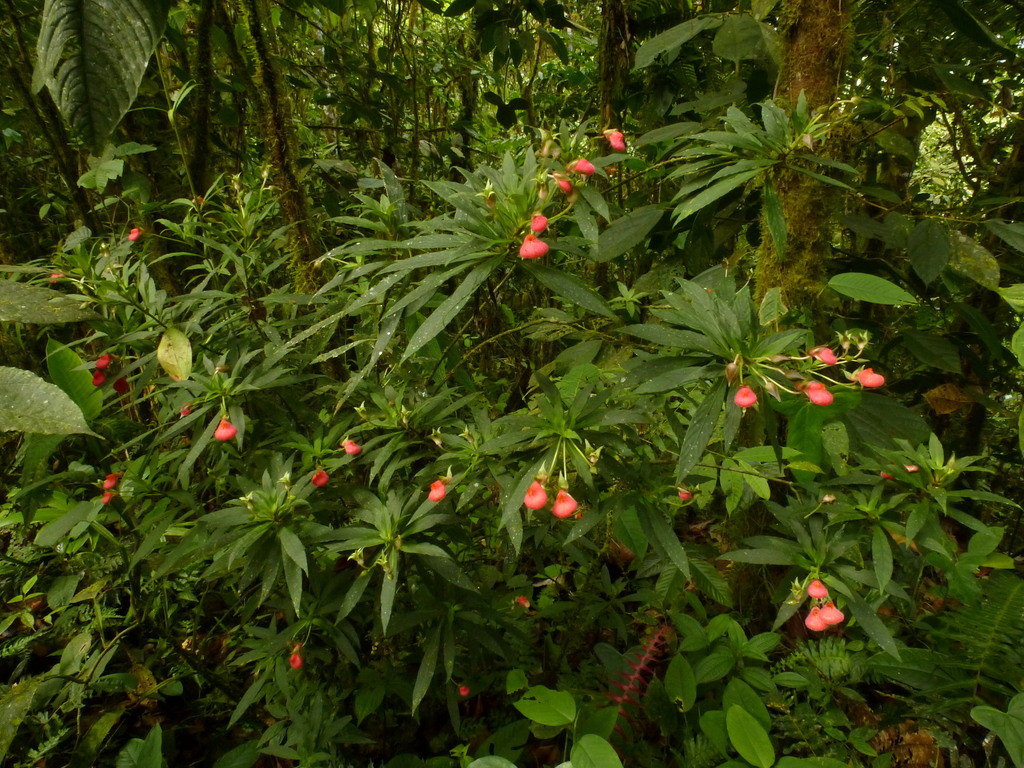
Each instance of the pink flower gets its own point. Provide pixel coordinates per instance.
(831, 615)
(538, 223)
(103, 361)
(135, 234)
(464, 691)
(186, 409)
(911, 468)
(817, 589)
(110, 481)
(564, 505)
(523, 601)
(563, 183)
(533, 247)
(868, 378)
(885, 475)
(823, 354)
(745, 397)
(616, 140)
(319, 479)
(295, 660)
(225, 431)
(438, 490)
(818, 393)
(98, 379)
(352, 448)
(685, 494)
(814, 622)
(56, 276)
(107, 497)
(536, 496)
(582, 166)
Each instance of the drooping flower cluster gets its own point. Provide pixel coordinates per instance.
(823, 613)
(537, 498)
(110, 487)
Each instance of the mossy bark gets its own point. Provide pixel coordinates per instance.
(614, 60)
(814, 34)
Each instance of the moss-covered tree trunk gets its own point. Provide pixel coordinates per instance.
(814, 34)
(614, 60)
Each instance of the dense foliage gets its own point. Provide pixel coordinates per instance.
(489, 383)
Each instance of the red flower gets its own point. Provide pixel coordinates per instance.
(352, 448)
(110, 482)
(186, 409)
(685, 494)
(295, 660)
(885, 475)
(225, 431)
(107, 497)
(99, 378)
(824, 354)
(56, 276)
(911, 468)
(563, 183)
(536, 496)
(616, 140)
(817, 589)
(135, 234)
(564, 505)
(103, 361)
(438, 490)
(818, 393)
(814, 622)
(319, 479)
(538, 223)
(745, 397)
(523, 601)
(464, 691)
(831, 615)
(533, 247)
(582, 166)
(121, 385)
(868, 378)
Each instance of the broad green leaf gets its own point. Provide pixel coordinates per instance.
(450, 307)
(55, 530)
(84, 755)
(139, 753)
(871, 288)
(67, 372)
(30, 404)
(175, 354)
(14, 706)
(881, 556)
(772, 307)
(92, 54)
(627, 232)
(739, 693)
(1014, 296)
(20, 303)
(243, 756)
(547, 707)
(428, 665)
(749, 738)
(928, 246)
(738, 38)
(971, 258)
(1010, 233)
(569, 287)
(713, 192)
(591, 751)
(1008, 726)
(868, 619)
(680, 683)
(700, 429)
(492, 761)
(673, 38)
(663, 538)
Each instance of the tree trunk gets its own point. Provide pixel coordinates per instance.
(614, 60)
(814, 47)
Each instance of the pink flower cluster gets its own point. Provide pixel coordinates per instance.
(537, 498)
(824, 613)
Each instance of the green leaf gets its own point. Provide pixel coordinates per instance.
(772, 307)
(933, 350)
(547, 707)
(174, 354)
(88, 748)
(713, 192)
(867, 617)
(67, 372)
(971, 258)
(680, 683)
(627, 232)
(32, 405)
(739, 38)
(569, 287)
(865, 287)
(776, 220)
(749, 738)
(243, 756)
(699, 430)
(1008, 726)
(1010, 233)
(1014, 296)
(450, 307)
(663, 538)
(138, 753)
(673, 38)
(591, 751)
(492, 761)
(881, 556)
(739, 693)
(55, 530)
(92, 54)
(20, 303)
(928, 246)
(14, 706)
(428, 666)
